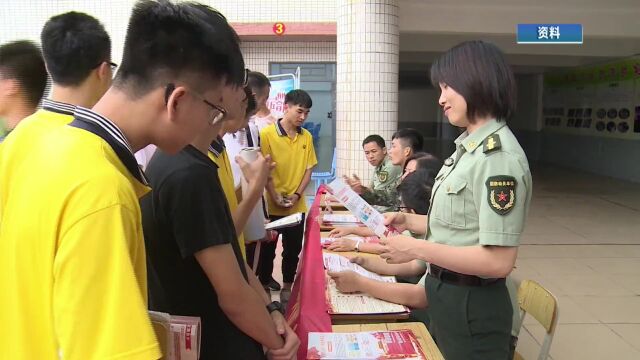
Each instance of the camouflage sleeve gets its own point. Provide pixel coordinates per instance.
(384, 197)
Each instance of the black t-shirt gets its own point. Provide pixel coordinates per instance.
(187, 212)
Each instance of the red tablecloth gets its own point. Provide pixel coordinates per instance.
(307, 308)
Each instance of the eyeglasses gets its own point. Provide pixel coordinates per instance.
(216, 113)
(245, 82)
(113, 65)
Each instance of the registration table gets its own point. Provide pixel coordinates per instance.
(308, 308)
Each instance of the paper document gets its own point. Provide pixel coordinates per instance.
(370, 345)
(288, 221)
(364, 212)
(326, 241)
(346, 219)
(179, 336)
(341, 303)
(337, 263)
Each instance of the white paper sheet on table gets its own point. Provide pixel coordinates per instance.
(337, 263)
(359, 303)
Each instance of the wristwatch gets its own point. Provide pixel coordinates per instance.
(275, 306)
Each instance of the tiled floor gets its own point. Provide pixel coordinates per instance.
(582, 242)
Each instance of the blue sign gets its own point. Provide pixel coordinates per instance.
(549, 33)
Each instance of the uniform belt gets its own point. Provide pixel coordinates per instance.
(454, 278)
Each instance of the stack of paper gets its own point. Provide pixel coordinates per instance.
(358, 304)
(372, 345)
(341, 303)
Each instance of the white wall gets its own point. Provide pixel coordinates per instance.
(23, 19)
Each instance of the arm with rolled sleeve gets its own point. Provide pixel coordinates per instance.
(99, 300)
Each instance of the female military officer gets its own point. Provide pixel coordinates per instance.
(478, 208)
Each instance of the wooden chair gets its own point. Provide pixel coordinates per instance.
(542, 306)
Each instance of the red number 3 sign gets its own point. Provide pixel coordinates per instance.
(279, 28)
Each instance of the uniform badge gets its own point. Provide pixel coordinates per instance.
(383, 176)
(501, 192)
(492, 143)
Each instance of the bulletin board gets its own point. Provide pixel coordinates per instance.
(600, 100)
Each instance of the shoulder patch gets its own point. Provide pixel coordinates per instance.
(383, 176)
(501, 193)
(491, 143)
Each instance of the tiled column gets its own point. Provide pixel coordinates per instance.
(367, 79)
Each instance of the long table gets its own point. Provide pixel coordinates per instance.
(307, 307)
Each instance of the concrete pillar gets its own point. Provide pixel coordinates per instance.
(367, 79)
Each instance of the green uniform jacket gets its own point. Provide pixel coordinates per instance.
(382, 191)
(482, 194)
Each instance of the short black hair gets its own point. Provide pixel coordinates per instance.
(415, 191)
(22, 60)
(479, 72)
(430, 163)
(252, 104)
(410, 137)
(258, 81)
(414, 156)
(73, 44)
(376, 139)
(425, 161)
(168, 42)
(298, 97)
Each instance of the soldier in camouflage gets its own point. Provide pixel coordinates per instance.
(382, 192)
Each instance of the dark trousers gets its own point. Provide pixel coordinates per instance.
(291, 246)
(470, 322)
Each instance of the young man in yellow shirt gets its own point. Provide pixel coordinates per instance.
(23, 78)
(72, 256)
(77, 52)
(291, 148)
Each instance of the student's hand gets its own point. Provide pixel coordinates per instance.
(291, 342)
(396, 219)
(340, 232)
(399, 249)
(257, 172)
(346, 281)
(344, 244)
(360, 260)
(293, 199)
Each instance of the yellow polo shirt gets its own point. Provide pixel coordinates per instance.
(72, 256)
(292, 157)
(218, 154)
(51, 115)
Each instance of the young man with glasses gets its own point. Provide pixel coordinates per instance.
(72, 253)
(195, 260)
(196, 264)
(77, 52)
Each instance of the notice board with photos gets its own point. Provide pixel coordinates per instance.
(599, 100)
